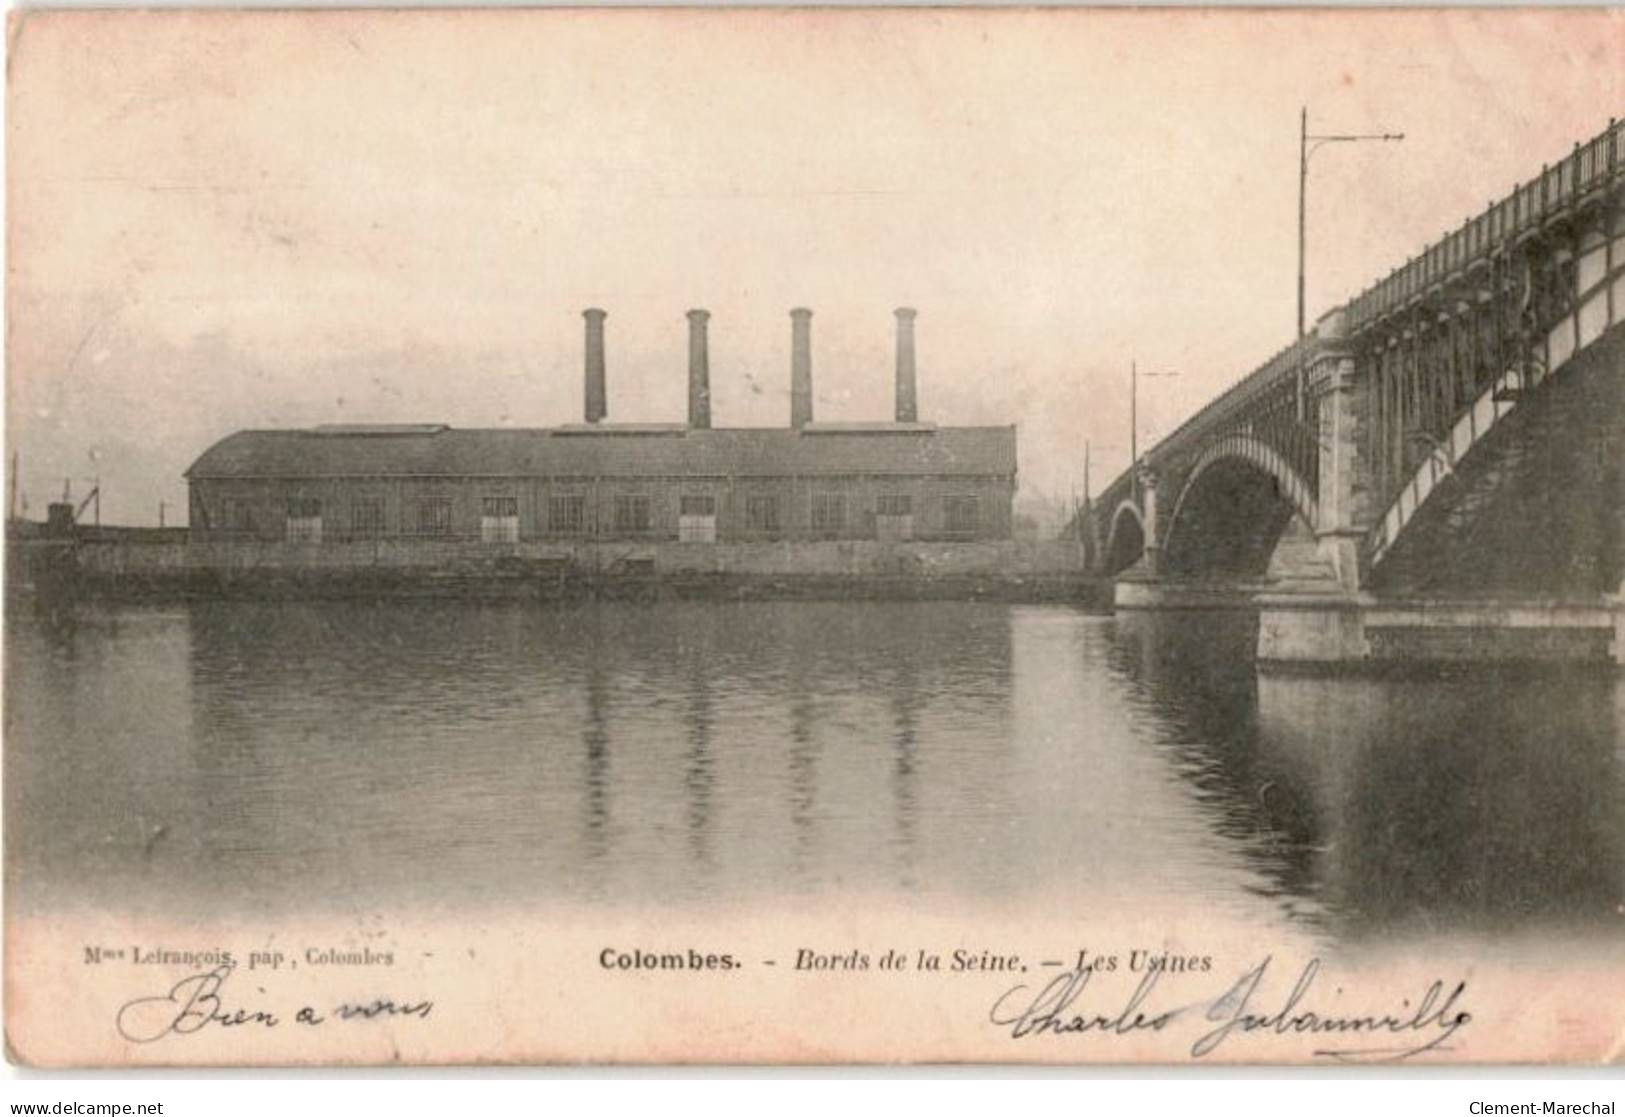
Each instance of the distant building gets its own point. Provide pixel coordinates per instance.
(892, 481)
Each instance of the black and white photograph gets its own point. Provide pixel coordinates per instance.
(815, 536)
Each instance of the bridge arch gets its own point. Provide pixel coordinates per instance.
(1233, 507)
(1125, 542)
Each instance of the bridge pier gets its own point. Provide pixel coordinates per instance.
(1145, 593)
(1150, 563)
(1343, 514)
(1324, 629)
(1311, 629)
(1308, 631)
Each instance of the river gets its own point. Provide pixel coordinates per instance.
(226, 759)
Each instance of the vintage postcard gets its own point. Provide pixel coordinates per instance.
(797, 535)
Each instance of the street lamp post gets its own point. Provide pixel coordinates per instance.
(1307, 145)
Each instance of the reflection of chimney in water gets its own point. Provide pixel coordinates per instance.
(907, 405)
(699, 372)
(597, 405)
(801, 397)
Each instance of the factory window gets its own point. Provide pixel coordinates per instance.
(499, 519)
(567, 514)
(432, 516)
(894, 517)
(828, 513)
(697, 519)
(237, 516)
(367, 517)
(762, 513)
(961, 515)
(632, 515)
(304, 520)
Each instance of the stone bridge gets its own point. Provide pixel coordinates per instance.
(1436, 471)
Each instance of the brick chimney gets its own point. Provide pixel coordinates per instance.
(699, 372)
(597, 406)
(801, 396)
(908, 410)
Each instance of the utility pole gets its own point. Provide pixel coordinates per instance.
(160, 513)
(1307, 146)
(95, 460)
(1134, 423)
(11, 514)
(1085, 517)
(1134, 428)
(1303, 184)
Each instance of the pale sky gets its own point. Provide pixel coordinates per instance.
(219, 221)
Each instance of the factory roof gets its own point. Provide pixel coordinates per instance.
(645, 450)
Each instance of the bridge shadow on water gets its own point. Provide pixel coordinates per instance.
(1479, 802)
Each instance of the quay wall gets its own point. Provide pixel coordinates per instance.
(1003, 570)
(854, 557)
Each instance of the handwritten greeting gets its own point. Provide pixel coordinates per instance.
(198, 1002)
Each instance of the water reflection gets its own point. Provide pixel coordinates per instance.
(467, 754)
(906, 702)
(1475, 801)
(595, 778)
(1195, 669)
(803, 773)
(234, 758)
(1480, 802)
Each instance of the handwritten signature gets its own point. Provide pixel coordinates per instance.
(1052, 1009)
(196, 1002)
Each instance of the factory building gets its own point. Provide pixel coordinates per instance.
(600, 481)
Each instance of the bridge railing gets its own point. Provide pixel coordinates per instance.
(1237, 406)
(1241, 397)
(1591, 166)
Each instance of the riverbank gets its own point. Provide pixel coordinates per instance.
(128, 570)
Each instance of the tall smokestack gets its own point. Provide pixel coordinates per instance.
(801, 398)
(597, 400)
(908, 410)
(699, 372)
